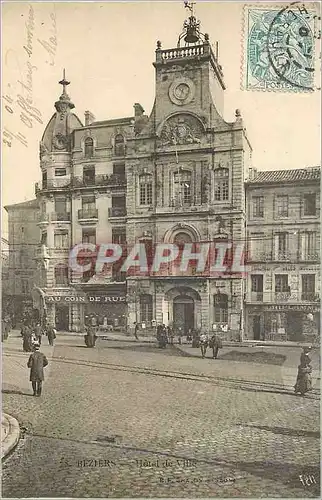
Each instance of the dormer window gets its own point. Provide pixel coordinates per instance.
(89, 147)
(119, 145)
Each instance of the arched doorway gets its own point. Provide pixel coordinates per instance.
(183, 312)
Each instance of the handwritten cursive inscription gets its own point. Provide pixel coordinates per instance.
(30, 27)
(51, 45)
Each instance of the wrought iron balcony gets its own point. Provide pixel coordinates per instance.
(287, 297)
(100, 180)
(60, 216)
(117, 212)
(43, 218)
(85, 214)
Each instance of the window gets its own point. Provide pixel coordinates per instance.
(221, 181)
(309, 207)
(146, 308)
(88, 203)
(182, 188)
(44, 180)
(43, 240)
(257, 282)
(89, 147)
(61, 239)
(119, 235)
(308, 246)
(281, 240)
(89, 236)
(258, 206)
(221, 308)
(119, 169)
(61, 275)
(282, 206)
(89, 175)
(119, 145)
(60, 172)
(60, 205)
(257, 286)
(281, 283)
(25, 286)
(145, 182)
(308, 287)
(257, 246)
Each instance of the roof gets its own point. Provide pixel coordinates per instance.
(24, 204)
(294, 175)
(114, 121)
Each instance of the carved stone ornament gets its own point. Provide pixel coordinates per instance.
(181, 129)
(60, 142)
(42, 149)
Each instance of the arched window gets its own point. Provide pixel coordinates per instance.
(180, 239)
(221, 181)
(89, 147)
(182, 188)
(145, 182)
(119, 145)
(221, 308)
(146, 308)
(61, 275)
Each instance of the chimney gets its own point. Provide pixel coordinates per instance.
(89, 118)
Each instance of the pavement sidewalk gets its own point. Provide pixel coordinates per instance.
(10, 434)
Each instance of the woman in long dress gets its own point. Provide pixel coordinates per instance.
(304, 380)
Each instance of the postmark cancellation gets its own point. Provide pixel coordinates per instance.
(279, 47)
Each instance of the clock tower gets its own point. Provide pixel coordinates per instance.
(189, 77)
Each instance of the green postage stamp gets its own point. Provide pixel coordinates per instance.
(279, 47)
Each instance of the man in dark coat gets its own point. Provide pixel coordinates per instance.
(215, 343)
(37, 361)
(51, 334)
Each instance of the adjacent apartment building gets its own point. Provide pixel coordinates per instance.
(283, 230)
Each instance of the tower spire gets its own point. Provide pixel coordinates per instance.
(64, 82)
(64, 101)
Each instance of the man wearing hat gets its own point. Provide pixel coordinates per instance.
(37, 361)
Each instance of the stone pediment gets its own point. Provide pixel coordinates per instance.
(180, 129)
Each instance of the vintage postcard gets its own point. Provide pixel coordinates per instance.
(160, 249)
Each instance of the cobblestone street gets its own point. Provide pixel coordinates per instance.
(129, 419)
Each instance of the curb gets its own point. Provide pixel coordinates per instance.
(10, 434)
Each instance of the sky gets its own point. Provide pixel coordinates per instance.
(108, 50)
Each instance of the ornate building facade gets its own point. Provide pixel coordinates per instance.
(177, 175)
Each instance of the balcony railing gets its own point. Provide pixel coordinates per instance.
(282, 297)
(117, 212)
(43, 217)
(100, 180)
(84, 214)
(60, 216)
(312, 256)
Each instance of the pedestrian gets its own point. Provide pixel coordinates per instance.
(203, 344)
(37, 361)
(27, 339)
(170, 335)
(90, 337)
(304, 380)
(51, 334)
(179, 335)
(136, 329)
(38, 333)
(215, 343)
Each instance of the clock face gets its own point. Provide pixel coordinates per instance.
(182, 91)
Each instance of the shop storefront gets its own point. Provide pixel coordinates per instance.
(283, 322)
